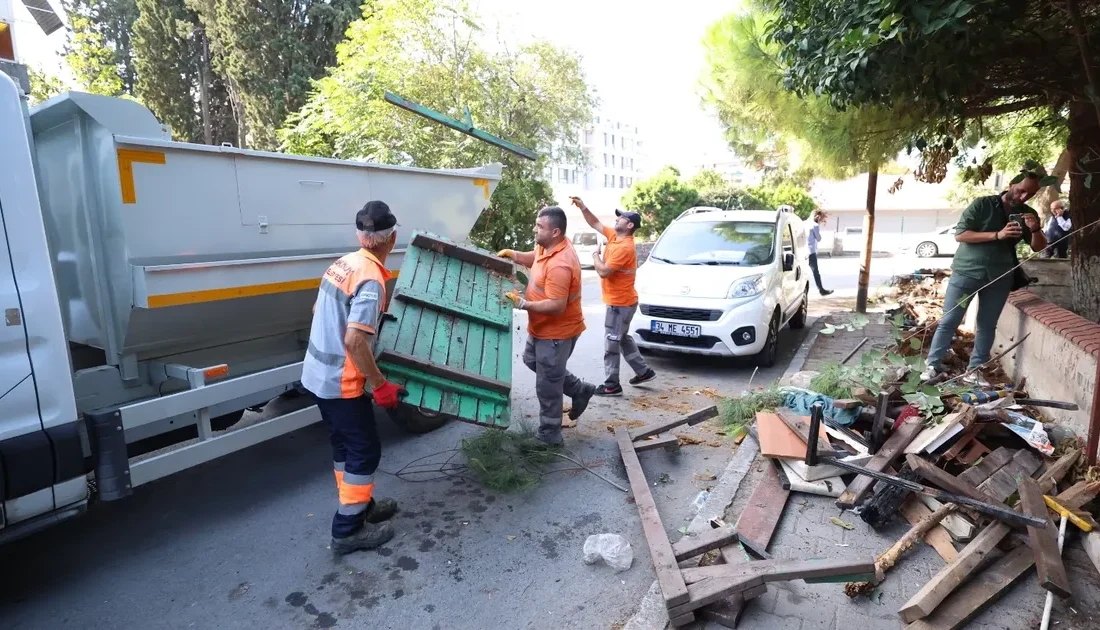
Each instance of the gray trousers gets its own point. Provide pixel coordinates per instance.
(617, 341)
(991, 301)
(547, 359)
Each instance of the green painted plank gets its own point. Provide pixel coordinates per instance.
(413, 386)
(409, 317)
(445, 276)
(465, 407)
(440, 303)
(433, 398)
(409, 266)
(439, 384)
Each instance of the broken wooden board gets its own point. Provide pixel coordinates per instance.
(970, 599)
(667, 442)
(690, 419)
(698, 544)
(1044, 542)
(660, 549)
(825, 471)
(765, 507)
(944, 480)
(778, 440)
(886, 455)
(964, 442)
(801, 427)
(1002, 484)
(960, 528)
(831, 487)
(937, 537)
(963, 417)
(988, 465)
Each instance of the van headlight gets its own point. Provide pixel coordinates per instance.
(747, 287)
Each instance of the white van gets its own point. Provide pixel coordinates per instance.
(585, 242)
(723, 283)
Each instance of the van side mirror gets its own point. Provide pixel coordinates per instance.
(788, 262)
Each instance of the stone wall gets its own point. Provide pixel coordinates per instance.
(1058, 359)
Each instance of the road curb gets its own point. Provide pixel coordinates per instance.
(799, 358)
(652, 614)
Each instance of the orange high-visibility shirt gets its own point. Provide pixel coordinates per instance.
(556, 274)
(619, 254)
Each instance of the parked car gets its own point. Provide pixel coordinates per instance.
(585, 242)
(939, 243)
(724, 283)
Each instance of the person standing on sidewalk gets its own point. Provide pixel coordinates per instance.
(982, 268)
(554, 321)
(819, 217)
(1058, 226)
(339, 363)
(616, 269)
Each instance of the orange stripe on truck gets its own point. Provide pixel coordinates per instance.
(231, 293)
(126, 159)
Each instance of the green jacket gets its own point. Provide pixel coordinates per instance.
(986, 261)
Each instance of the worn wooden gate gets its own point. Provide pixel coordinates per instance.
(451, 343)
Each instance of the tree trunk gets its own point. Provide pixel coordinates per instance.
(1084, 206)
(869, 237)
(204, 90)
(1050, 194)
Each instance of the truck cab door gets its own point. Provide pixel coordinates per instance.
(791, 271)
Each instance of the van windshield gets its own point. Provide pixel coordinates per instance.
(717, 243)
(584, 238)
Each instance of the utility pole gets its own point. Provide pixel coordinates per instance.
(869, 236)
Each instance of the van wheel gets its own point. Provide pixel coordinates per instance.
(799, 320)
(766, 357)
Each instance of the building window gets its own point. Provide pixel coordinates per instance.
(629, 182)
(597, 120)
(563, 176)
(612, 141)
(632, 164)
(622, 182)
(588, 136)
(605, 139)
(605, 159)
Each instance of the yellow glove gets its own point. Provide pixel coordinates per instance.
(516, 299)
(506, 253)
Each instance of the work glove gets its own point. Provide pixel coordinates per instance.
(516, 299)
(386, 395)
(506, 253)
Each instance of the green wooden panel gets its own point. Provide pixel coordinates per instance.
(461, 320)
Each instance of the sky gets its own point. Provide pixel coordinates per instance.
(643, 59)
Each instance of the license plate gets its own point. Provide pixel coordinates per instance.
(677, 330)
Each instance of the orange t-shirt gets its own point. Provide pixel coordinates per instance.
(556, 274)
(619, 254)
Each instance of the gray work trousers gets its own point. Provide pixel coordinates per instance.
(547, 359)
(617, 341)
(991, 301)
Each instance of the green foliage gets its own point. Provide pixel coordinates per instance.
(99, 50)
(739, 411)
(506, 461)
(44, 86)
(166, 60)
(507, 222)
(832, 380)
(659, 200)
(963, 190)
(1015, 138)
(786, 193)
(713, 190)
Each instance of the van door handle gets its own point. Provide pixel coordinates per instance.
(798, 273)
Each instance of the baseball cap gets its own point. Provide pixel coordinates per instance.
(375, 217)
(633, 217)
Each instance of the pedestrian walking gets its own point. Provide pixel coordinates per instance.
(616, 268)
(554, 321)
(339, 363)
(819, 217)
(981, 268)
(1058, 226)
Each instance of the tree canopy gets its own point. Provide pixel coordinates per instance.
(429, 52)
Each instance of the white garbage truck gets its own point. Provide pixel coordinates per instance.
(153, 290)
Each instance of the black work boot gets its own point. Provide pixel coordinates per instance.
(642, 378)
(609, 390)
(369, 537)
(580, 402)
(380, 510)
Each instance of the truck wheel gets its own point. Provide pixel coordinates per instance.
(799, 319)
(412, 420)
(766, 357)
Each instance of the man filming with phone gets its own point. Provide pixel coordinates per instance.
(987, 233)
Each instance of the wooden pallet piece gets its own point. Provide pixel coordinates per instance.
(777, 439)
(760, 517)
(963, 442)
(943, 479)
(989, 464)
(974, 554)
(801, 427)
(1002, 484)
(976, 450)
(937, 538)
(444, 371)
(502, 266)
(959, 527)
(667, 442)
(891, 450)
(672, 584)
(690, 419)
(698, 544)
(1044, 542)
(965, 416)
(971, 599)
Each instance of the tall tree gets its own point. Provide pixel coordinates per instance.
(661, 198)
(99, 49)
(429, 52)
(962, 60)
(43, 85)
(269, 51)
(744, 82)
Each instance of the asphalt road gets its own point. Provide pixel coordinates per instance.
(241, 542)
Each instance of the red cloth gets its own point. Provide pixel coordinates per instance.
(908, 412)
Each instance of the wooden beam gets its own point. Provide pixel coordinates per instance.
(891, 450)
(698, 544)
(943, 479)
(668, 442)
(502, 266)
(660, 549)
(968, 601)
(960, 529)
(1002, 484)
(690, 419)
(989, 464)
(1044, 542)
(444, 371)
(937, 538)
(760, 517)
(419, 298)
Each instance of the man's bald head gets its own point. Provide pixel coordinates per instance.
(1057, 207)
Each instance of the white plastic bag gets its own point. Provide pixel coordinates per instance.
(613, 548)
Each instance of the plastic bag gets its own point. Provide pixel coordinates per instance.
(613, 548)
(1031, 431)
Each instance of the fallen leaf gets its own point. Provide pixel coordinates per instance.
(309, 516)
(664, 478)
(689, 439)
(511, 538)
(683, 530)
(839, 523)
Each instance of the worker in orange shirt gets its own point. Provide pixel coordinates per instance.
(338, 366)
(616, 269)
(554, 321)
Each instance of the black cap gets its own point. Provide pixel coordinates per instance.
(375, 217)
(633, 217)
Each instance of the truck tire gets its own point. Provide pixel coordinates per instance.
(799, 319)
(767, 356)
(412, 420)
